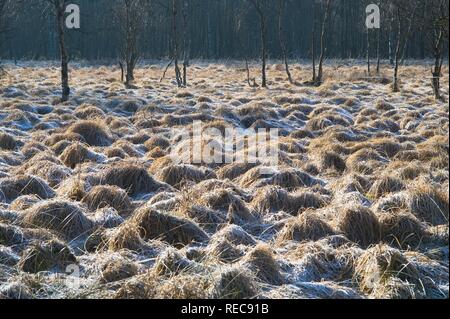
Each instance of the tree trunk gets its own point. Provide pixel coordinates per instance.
(263, 50)
(281, 38)
(378, 51)
(186, 42)
(437, 71)
(322, 43)
(313, 44)
(408, 33)
(122, 71)
(175, 44)
(368, 52)
(60, 8)
(395, 86)
(391, 40)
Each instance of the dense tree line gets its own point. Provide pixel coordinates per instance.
(216, 29)
(130, 30)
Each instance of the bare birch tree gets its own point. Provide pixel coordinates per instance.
(59, 9)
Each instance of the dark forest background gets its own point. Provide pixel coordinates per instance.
(213, 29)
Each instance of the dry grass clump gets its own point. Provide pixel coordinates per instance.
(290, 179)
(360, 225)
(97, 241)
(261, 261)
(14, 187)
(24, 202)
(429, 204)
(65, 218)
(93, 132)
(227, 200)
(117, 270)
(53, 173)
(132, 178)
(128, 147)
(151, 286)
(236, 235)
(322, 260)
(76, 154)
(10, 235)
(224, 251)
(74, 188)
(89, 112)
(171, 263)
(7, 142)
(32, 149)
(382, 105)
(363, 159)
(306, 227)
(176, 175)
(440, 162)
(332, 160)
(409, 171)
(127, 236)
(402, 230)
(112, 152)
(275, 199)
(46, 256)
(302, 134)
(157, 141)
(56, 138)
(234, 283)
(156, 153)
(407, 155)
(384, 186)
(232, 171)
(386, 147)
(108, 196)
(185, 286)
(383, 272)
(173, 230)
(207, 218)
(107, 217)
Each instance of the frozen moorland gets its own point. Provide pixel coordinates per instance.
(93, 205)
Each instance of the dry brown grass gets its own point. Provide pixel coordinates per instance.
(360, 225)
(386, 185)
(384, 272)
(93, 133)
(108, 196)
(306, 227)
(12, 188)
(7, 141)
(176, 175)
(118, 270)
(127, 236)
(262, 262)
(133, 178)
(273, 199)
(77, 154)
(358, 166)
(45, 256)
(225, 251)
(65, 218)
(234, 283)
(173, 230)
(402, 230)
(429, 204)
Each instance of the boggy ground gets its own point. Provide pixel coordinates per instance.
(357, 208)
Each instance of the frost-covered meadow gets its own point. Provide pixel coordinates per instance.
(93, 205)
